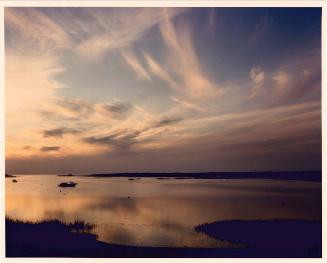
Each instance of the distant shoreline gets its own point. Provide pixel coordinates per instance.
(313, 176)
(9, 176)
(310, 176)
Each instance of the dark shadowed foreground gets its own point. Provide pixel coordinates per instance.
(274, 238)
(270, 238)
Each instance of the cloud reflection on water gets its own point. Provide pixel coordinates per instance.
(162, 218)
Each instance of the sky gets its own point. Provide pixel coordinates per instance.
(93, 90)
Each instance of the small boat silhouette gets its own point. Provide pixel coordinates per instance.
(67, 184)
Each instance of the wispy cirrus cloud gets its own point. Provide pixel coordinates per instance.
(196, 95)
(118, 31)
(135, 65)
(90, 33)
(33, 29)
(184, 62)
(158, 71)
(181, 70)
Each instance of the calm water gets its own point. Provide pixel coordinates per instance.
(159, 212)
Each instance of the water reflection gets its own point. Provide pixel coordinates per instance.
(160, 212)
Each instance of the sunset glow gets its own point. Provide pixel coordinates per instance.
(162, 89)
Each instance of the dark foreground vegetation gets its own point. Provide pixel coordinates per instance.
(262, 238)
(270, 238)
(314, 176)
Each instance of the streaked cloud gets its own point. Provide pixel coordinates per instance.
(123, 139)
(135, 65)
(118, 31)
(158, 71)
(59, 132)
(181, 89)
(34, 29)
(187, 104)
(49, 148)
(82, 108)
(117, 108)
(168, 121)
(120, 140)
(183, 60)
